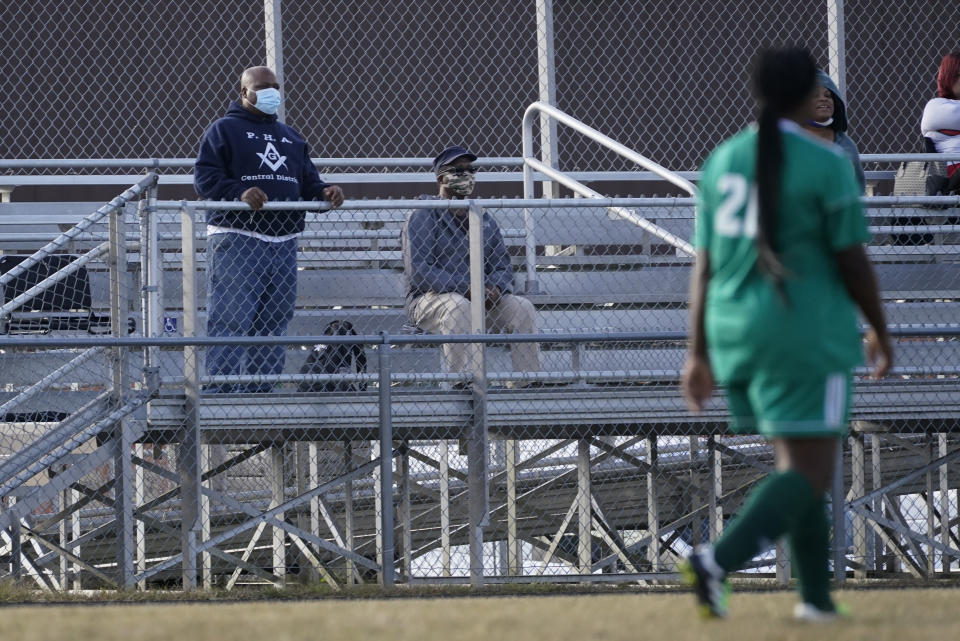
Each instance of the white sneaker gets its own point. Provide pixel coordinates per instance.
(812, 614)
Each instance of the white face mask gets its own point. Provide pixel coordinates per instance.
(268, 100)
(459, 184)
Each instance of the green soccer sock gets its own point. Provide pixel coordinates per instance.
(810, 549)
(771, 510)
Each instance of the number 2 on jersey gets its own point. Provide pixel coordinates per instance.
(737, 213)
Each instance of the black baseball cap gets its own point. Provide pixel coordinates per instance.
(450, 154)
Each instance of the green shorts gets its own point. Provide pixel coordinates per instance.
(775, 406)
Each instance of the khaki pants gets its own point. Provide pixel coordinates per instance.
(450, 314)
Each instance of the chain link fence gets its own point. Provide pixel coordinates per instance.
(345, 437)
(374, 78)
(572, 460)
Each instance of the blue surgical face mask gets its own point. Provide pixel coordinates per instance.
(268, 100)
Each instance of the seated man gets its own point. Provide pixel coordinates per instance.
(436, 263)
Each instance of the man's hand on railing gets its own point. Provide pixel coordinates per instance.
(333, 195)
(255, 197)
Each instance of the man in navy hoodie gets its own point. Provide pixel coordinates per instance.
(249, 155)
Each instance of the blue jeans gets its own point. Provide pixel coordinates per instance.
(251, 291)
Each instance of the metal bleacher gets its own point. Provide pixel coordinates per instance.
(603, 274)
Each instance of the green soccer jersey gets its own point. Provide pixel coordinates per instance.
(750, 328)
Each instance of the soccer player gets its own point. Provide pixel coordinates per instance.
(779, 274)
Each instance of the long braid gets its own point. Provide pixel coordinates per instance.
(768, 173)
(783, 80)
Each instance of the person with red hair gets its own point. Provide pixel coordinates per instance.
(941, 116)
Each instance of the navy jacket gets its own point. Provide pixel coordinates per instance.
(436, 255)
(244, 150)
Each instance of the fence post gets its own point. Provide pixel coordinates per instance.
(653, 503)
(405, 515)
(152, 284)
(122, 443)
(584, 509)
(514, 558)
(348, 516)
(876, 479)
(188, 454)
(547, 91)
(386, 464)
(839, 519)
(16, 552)
(858, 487)
(836, 46)
(930, 507)
(278, 537)
(477, 450)
(273, 41)
(445, 507)
(714, 488)
(942, 449)
(152, 323)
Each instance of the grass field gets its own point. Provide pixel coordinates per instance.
(877, 615)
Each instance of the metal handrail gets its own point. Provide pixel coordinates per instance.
(911, 331)
(391, 163)
(924, 157)
(367, 178)
(179, 163)
(380, 170)
(510, 203)
(619, 212)
(531, 164)
(129, 195)
(598, 137)
(434, 203)
(54, 278)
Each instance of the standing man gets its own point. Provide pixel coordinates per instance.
(252, 255)
(436, 263)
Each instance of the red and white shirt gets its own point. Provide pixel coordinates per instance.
(941, 124)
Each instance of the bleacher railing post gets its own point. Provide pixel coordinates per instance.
(188, 454)
(547, 84)
(836, 44)
(273, 42)
(16, 552)
(152, 284)
(386, 464)
(858, 487)
(585, 509)
(839, 519)
(514, 565)
(942, 449)
(477, 447)
(529, 228)
(123, 462)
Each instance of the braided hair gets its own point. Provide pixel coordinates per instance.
(783, 80)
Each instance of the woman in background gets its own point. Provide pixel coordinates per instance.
(941, 116)
(829, 122)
